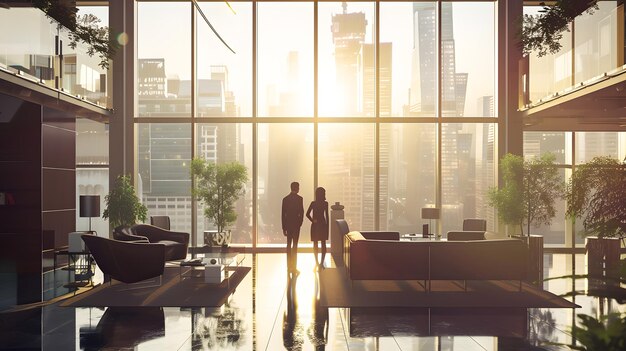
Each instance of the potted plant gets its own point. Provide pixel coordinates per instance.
(596, 192)
(123, 207)
(527, 197)
(529, 190)
(218, 186)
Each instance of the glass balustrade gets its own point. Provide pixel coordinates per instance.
(37, 48)
(592, 49)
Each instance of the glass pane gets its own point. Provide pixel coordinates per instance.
(596, 41)
(224, 84)
(92, 148)
(346, 170)
(92, 181)
(553, 72)
(407, 174)
(558, 143)
(27, 44)
(467, 58)
(408, 30)
(285, 155)
(592, 144)
(555, 233)
(164, 181)
(285, 59)
(467, 173)
(227, 143)
(164, 59)
(83, 70)
(92, 142)
(346, 60)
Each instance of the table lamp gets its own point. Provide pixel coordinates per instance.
(90, 207)
(429, 213)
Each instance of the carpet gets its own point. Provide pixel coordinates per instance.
(338, 291)
(173, 292)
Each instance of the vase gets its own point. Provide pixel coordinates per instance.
(603, 261)
(215, 238)
(535, 258)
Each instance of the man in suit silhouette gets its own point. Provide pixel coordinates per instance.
(292, 216)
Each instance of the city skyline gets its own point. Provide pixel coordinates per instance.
(396, 27)
(349, 175)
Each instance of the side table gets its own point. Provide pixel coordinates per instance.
(79, 262)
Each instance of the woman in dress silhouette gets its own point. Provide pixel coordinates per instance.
(319, 222)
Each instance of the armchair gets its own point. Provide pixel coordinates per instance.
(473, 229)
(176, 243)
(475, 224)
(160, 221)
(127, 262)
(124, 233)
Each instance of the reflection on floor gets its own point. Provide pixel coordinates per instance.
(269, 311)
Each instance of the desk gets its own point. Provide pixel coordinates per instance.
(79, 262)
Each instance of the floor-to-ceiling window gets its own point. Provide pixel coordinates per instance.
(390, 106)
(570, 149)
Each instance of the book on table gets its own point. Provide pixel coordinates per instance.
(193, 262)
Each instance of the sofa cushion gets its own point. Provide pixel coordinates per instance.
(386, 259)
(381, 235)
(168, 242)
(355, 236)
(465, 235)
(505, 259)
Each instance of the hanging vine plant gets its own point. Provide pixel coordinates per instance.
(83, 28)
(542, 32)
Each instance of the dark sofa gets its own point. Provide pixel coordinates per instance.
(176, 243)
(368, 258)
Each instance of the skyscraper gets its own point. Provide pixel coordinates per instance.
(348, 36)
(423, 93)
(163, 150)
(368, 93)
(458, 141)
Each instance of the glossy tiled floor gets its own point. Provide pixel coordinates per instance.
(263, 313)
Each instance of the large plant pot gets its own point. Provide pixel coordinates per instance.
(535, 258)
(603, 261)
(215, 238)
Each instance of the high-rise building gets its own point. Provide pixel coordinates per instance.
(348, 36)
(164, 149)
(368, 92)
(423, 92)
(457, 144)
(485, 106)
(151, 79)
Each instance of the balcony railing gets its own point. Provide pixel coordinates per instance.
(36, 48)
(591, 51)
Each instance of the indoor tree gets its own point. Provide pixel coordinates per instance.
(529, 190)
(596, 192)
(123, 207)
(82, 28)
(218, 186)
(542, 32)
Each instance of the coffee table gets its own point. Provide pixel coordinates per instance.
(417, 237)
(213, 267)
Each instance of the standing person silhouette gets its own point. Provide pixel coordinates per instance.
(319, 223)
(292, 217)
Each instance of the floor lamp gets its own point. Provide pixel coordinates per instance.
(429, 213)
(90, 207)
